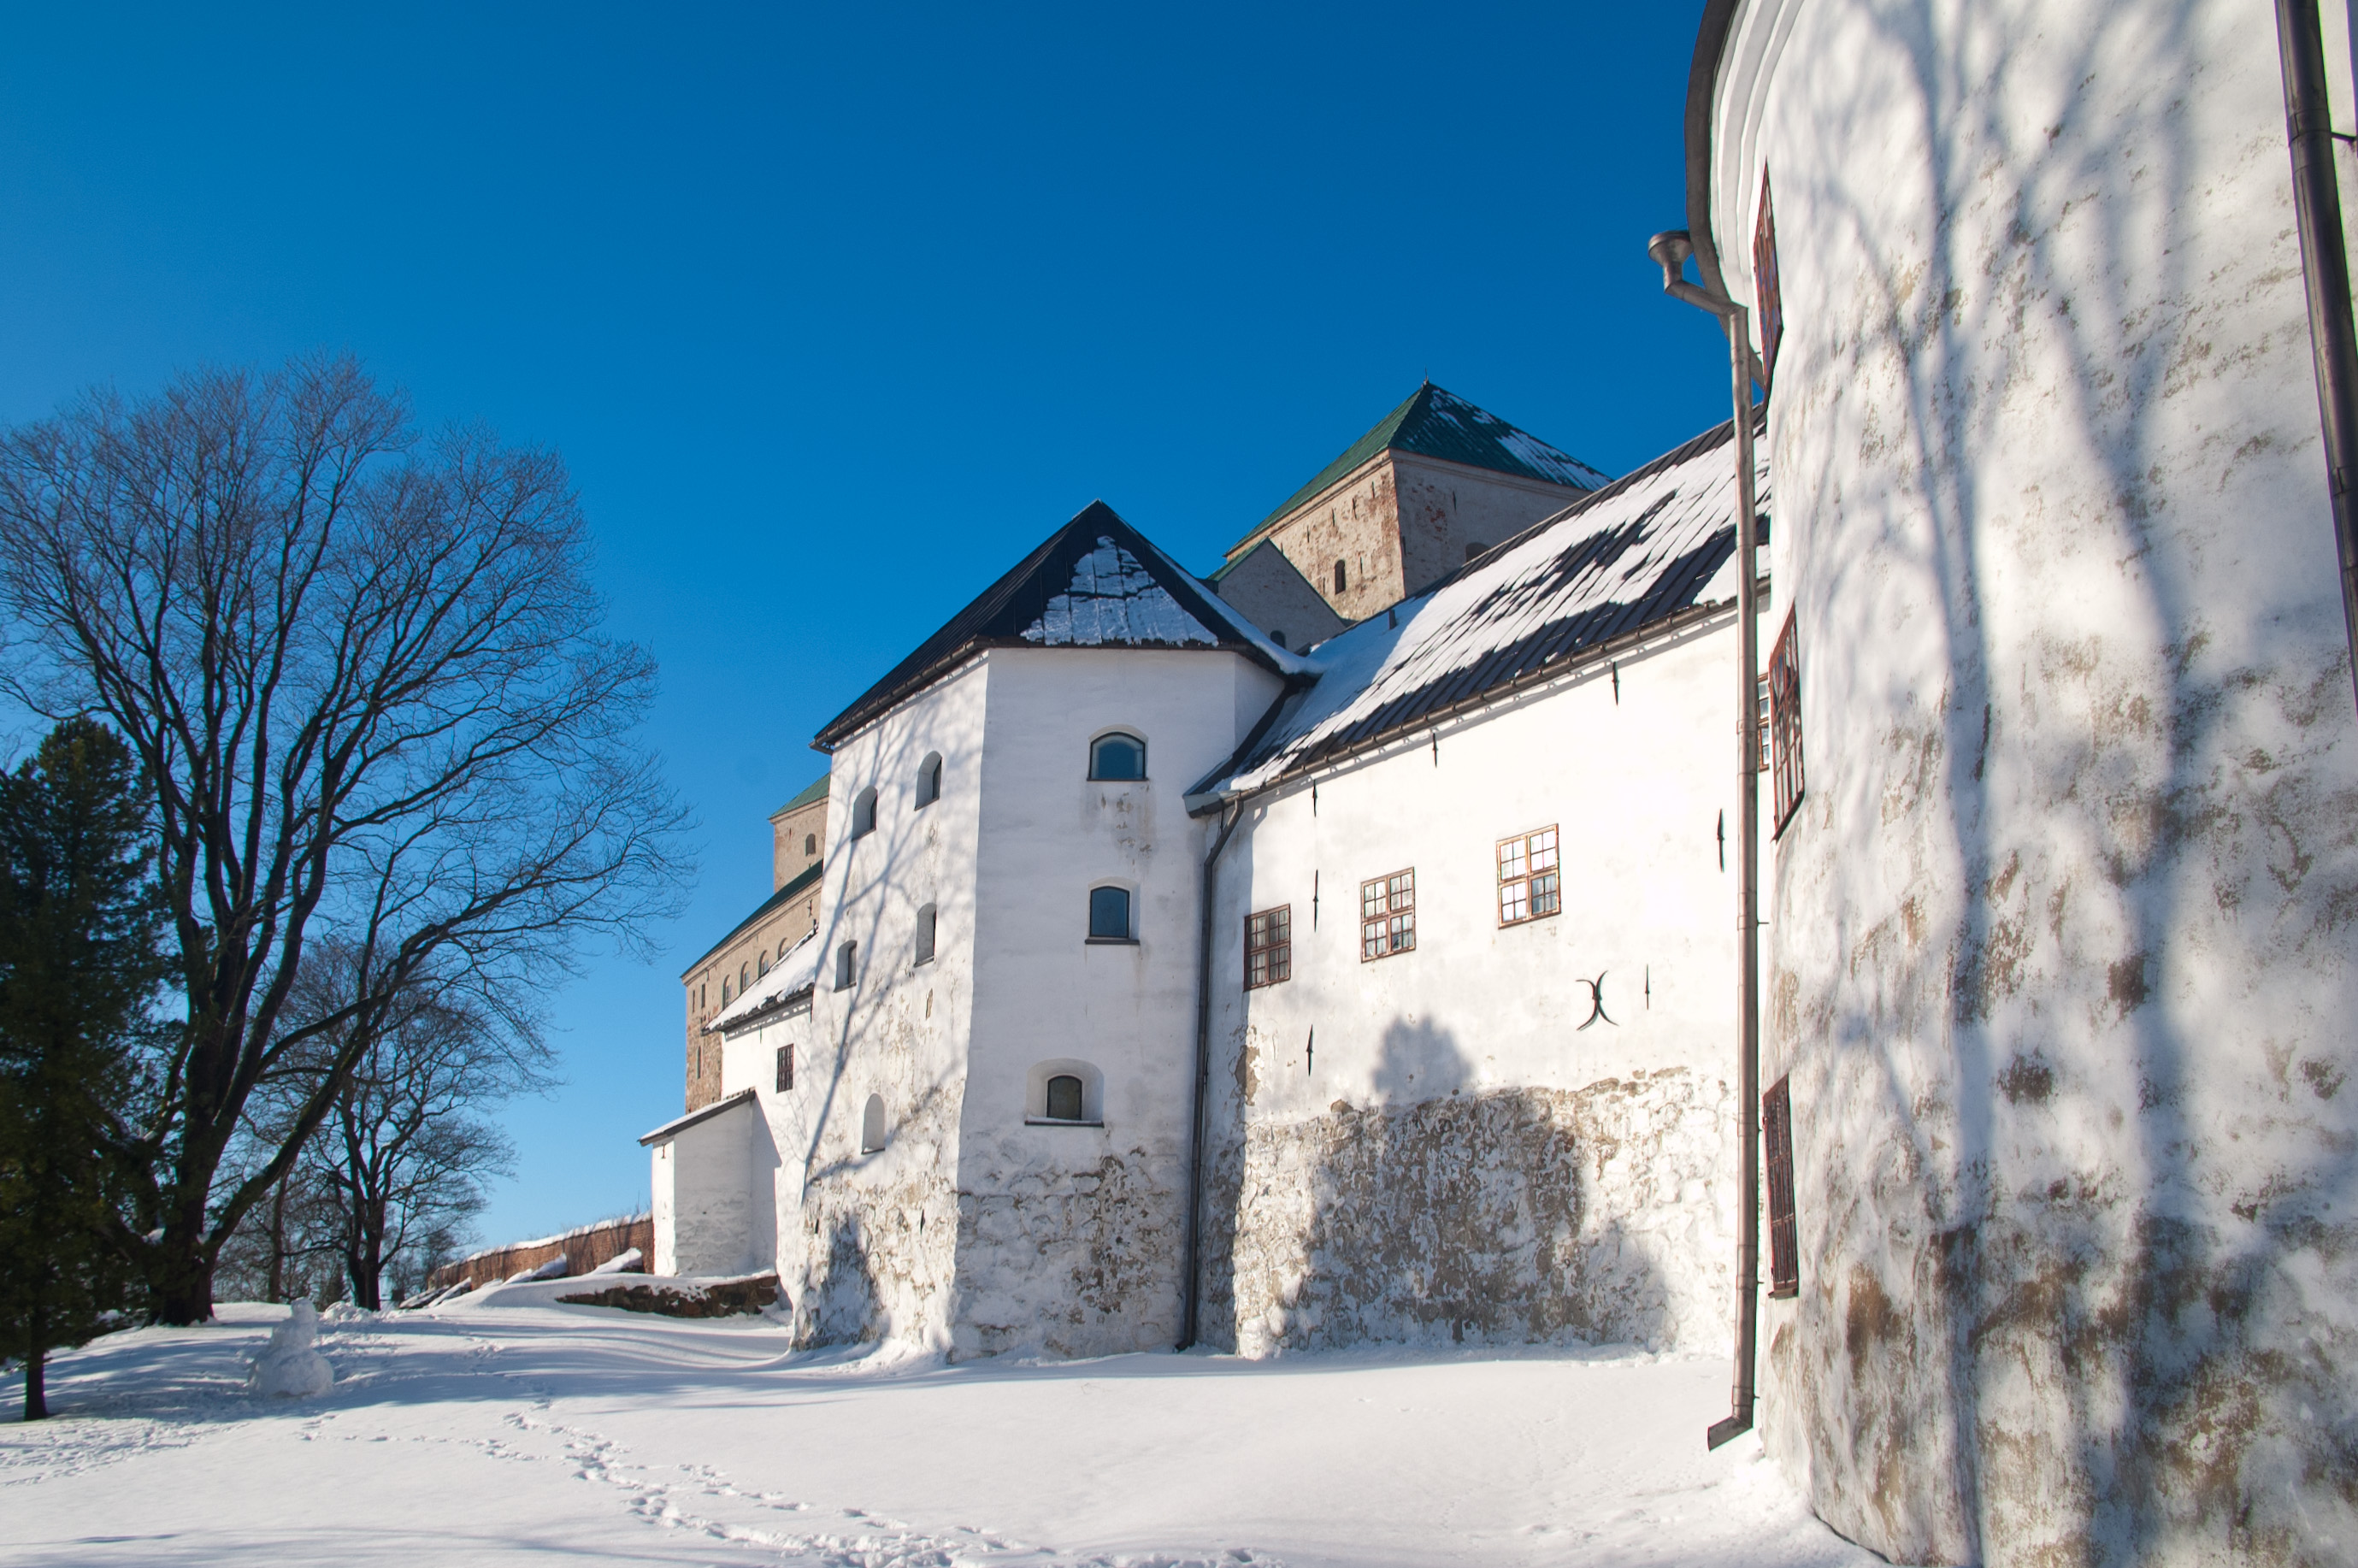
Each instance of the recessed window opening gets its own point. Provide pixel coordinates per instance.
(810, 843)
(847, 966)
(929, 780)
(744, 979)
(863, 813)
(785, 1068)
(1278, 638)
(1063, 1098)
(1063, 1092)
(1474, 547)
(872, 1125)
(1530, 880)
(725, 992)
(1387, 915)
(1109, 914)
(1268, 947)
(1119, 755)
(1341, 577)
(926, 935)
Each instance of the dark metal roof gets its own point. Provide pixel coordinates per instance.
(1642, 553)
(1440, 423)
(799, 883)
(1097, 582)
(814, 790)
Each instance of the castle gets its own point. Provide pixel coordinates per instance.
(1170, 983)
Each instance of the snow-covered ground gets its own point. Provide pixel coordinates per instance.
(494, 1432)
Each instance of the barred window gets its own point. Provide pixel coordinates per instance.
(1387, 915)
(1529, 879)
(1785, 726)
(1268, 947)
(1777, 1134)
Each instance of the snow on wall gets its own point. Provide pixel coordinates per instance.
(2062, 944)
(1114, 600)
(1432, 1145)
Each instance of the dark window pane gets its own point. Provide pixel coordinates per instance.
(926, 935)
(1110, 912)
(1118, 757)
(1063, 1098)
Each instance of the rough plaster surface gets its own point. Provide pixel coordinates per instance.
(1073, 1263)
(1510, 1216)
(2063, 940)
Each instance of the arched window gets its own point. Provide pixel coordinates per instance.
(863, 813)
(847, 966)
(929, 780)
(762, 962)
(1474, 547)
(872, 1125)
(1065, 1092)
(785, 945)
(1119, 755)
(810, 843)
(1278, 638)
(1340, 576)
(926, 935)
(725, 992)
(1109, 914)
(744, 978)
(1063, 1098)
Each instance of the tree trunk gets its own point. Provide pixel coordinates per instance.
(278, 1288)
(37, 1398)
(182, 1271)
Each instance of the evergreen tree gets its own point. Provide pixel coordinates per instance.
(79, 942)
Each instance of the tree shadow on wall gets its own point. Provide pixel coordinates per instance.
(840, 1304)
(1439, 1214)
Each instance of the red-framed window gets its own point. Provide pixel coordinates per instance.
(1770, 290)
(1776, 1145)
(1268, 947)
(1784, 727)
(1387, 915)
(1530, 880)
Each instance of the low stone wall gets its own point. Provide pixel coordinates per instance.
(584, 1250)
(1605, 1213)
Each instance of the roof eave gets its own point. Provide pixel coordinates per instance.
(677, 1125)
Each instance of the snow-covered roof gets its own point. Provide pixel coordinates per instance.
(794, 888)
(1438, 423)
(790, 977)
(679, 1124)
(1097, 582)
(1650, 546)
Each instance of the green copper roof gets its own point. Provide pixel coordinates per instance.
(1440, 423)
(814, 790)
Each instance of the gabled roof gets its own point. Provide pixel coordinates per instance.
(1097, 582)
(796, 885)
(1440, 423)
(814, 790)
(1644, 551)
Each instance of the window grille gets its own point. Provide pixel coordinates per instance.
(1530, 881)
(1387, 915)
(785, 1068)
(1268, 947)
(1776, 1136)
(926, 935)
(1117, 756)
(1785, 726)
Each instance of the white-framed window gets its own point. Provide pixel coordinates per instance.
(1529, 879)
(1110, 914)
(1117, 755)
(1387, 915)
(1268, 947)
(929, 780)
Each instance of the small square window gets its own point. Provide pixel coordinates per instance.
(1387, 915)
(1268, 947)
(1530, 880)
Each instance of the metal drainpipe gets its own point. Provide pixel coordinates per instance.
(1672, 251)
(2325, 272)
(1193, 1294)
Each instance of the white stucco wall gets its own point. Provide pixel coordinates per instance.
(879, 1228)
(2062, 933)
(1453, 1157)
(710, 1180)
(1069, 1237)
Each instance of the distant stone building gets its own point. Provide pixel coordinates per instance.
(1437, 482)
(797, 842)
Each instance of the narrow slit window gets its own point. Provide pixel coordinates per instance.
(847, 966)
(926, 935)
(810, 843)
(1063, 1098)
(1762, 725)
(872, 1125)
(1777, 1138)
(1387, 915)
(929, 780)
(1530, 880)
(1117, 756)
(1341, 577)
(785, 1068)
(1785, 726)
(1109, 914)
(863, 813)
(1268, 947)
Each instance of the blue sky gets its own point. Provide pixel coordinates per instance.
(835, 313)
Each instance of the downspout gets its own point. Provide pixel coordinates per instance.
(2325, 272)
(1192, 1276)
(1672, 251)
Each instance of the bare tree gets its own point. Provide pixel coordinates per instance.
(365, 671)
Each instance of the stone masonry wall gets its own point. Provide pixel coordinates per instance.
(1066, 1263)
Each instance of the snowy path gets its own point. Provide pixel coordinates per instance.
(494, 1435)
